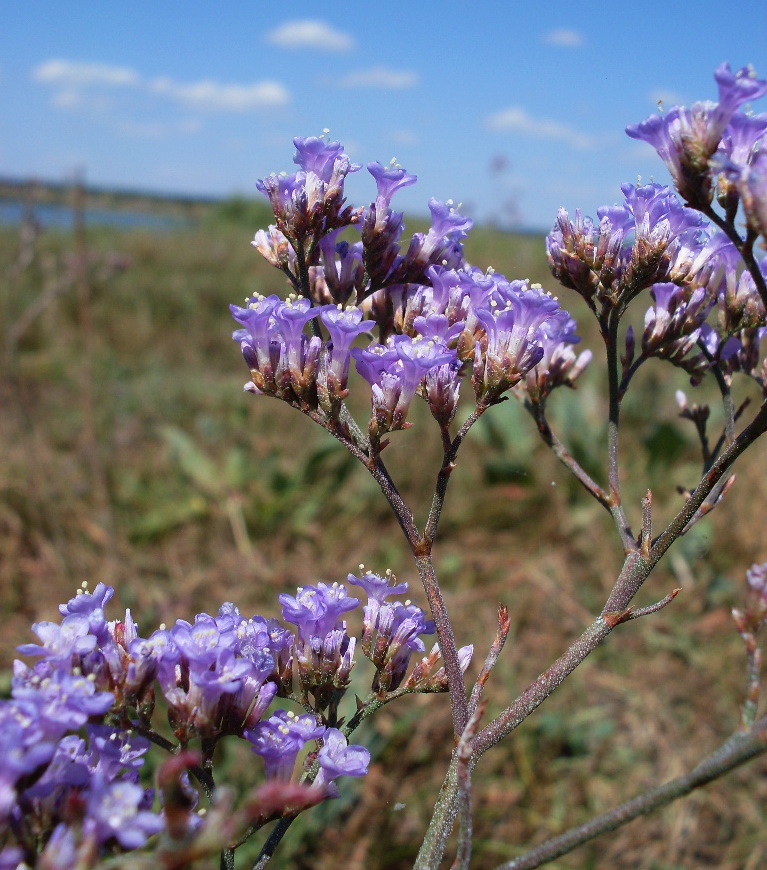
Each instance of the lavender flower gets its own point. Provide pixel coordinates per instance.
(343, 326)
(559, 365)
(282, 361)
(395, 372)
(324, 651)
(441, 245)
(340, 277)
(310, 203)
(685, 138)
(337, 758)
(280, 738)
(115, 812)
(515, 313)
(673, 325)
(650, 238)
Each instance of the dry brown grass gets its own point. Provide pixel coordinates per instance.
(662, 692)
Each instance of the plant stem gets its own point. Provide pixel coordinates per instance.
(736, 751)
(610, 333)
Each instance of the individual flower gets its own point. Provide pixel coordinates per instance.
(440, 246)
(340, 278)
(279, 740)
(344, 325)
(338, 758)
(274, 247)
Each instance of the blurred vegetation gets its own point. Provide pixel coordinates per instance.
(131, 456)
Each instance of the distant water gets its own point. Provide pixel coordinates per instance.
(52, 216)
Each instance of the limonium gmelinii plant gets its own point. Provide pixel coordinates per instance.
(417, 323)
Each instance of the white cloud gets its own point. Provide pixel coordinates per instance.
(564, 38)
(72, 100)
(79, 86)
(71, 74)
(380, 77)
(157, 130)
(518, 121)
(404, 137)
(310, 33)
(209, 94)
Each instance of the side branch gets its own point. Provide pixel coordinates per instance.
(563, 455)
(736, 751)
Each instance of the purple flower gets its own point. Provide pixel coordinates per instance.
(114, 811)
(280, 738)
(310, 203)
(62, 642)
(324, 650)
(337, 758)
(91, 605)
(388, 181)
(282, 361)
(441, 245)
(511, 322)
(395, 372)
(343, 326)
(650, 238)
(63, 701)
(685, 138)
(672, 326)
(559, 365)
(753, 191)
(321, 157)
(340, 278)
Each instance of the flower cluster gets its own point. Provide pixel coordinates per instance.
(218, 675)
(687, 139)
(437, 317)
(650, 238)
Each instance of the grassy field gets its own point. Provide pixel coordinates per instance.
(131, 456)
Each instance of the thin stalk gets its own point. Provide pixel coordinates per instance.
(614, 406)
(635, 571)
(745, 249)
(457, 689)
(538, 413)
(443, 477)
(736, 751)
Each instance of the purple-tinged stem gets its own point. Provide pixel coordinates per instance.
(610, 333)
(448, 463)
(560, 451)
(504, 624)
(745, 249)
(736, 751)
(635, 571)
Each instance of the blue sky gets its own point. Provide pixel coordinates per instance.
(510, 108)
